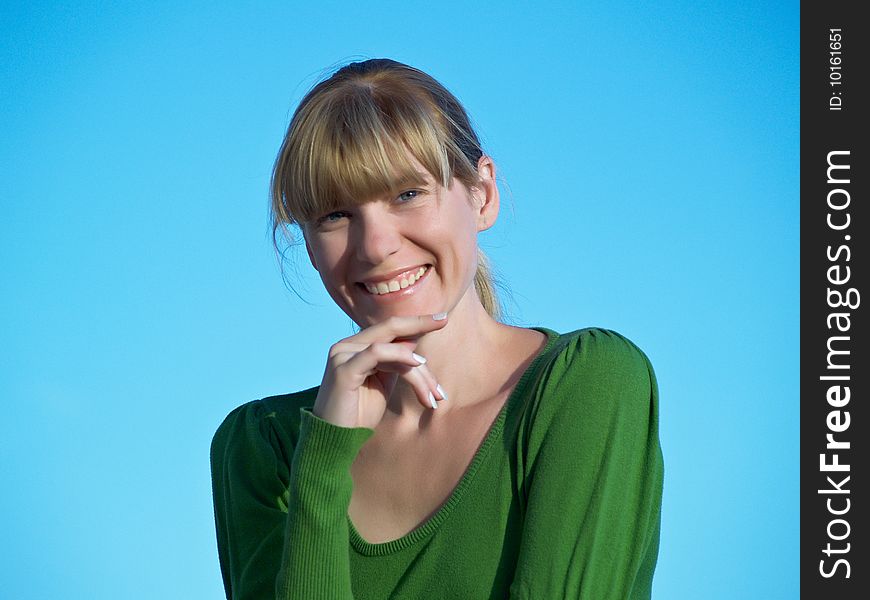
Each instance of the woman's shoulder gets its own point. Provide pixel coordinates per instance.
(597, 348)
(257, 425)
(594, 374)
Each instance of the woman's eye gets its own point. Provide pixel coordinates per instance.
(409, 195)
(332, 217)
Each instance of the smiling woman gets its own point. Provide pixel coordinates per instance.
(539, 476)
(380, 130)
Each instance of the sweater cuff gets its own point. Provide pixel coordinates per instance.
(329, 446)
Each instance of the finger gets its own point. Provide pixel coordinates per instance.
(348, 348)
(343, 346)
(377, 357)
(421, 381)
(430, 381)
(417, 375)
(399, 327)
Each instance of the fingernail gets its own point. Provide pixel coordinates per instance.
(418, 358)
(432, 400)
(439, 316)
(441, 391)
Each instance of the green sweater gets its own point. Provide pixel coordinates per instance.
(561, 500)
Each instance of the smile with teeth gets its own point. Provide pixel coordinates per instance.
(394, 285)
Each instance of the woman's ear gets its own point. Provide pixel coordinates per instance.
(485, 194)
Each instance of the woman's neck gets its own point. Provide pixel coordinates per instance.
(459, 356)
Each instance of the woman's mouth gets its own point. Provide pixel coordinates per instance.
(399, 285)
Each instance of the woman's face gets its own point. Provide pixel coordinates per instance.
(370, 256)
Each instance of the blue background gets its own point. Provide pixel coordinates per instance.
(649, 160)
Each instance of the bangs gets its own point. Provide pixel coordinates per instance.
(345, 150)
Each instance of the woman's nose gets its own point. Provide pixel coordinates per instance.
(377, 238)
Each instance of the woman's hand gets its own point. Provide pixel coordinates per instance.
(362, 371)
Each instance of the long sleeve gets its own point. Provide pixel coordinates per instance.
(594, 480)
(249, 487)
(316, 561)
(280, 507)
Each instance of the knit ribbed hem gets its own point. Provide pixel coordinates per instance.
(330, 443)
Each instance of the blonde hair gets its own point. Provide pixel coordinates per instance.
(348, 141)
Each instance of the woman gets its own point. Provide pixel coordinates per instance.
(445, 454)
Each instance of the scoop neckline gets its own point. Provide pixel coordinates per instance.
(431, 525)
